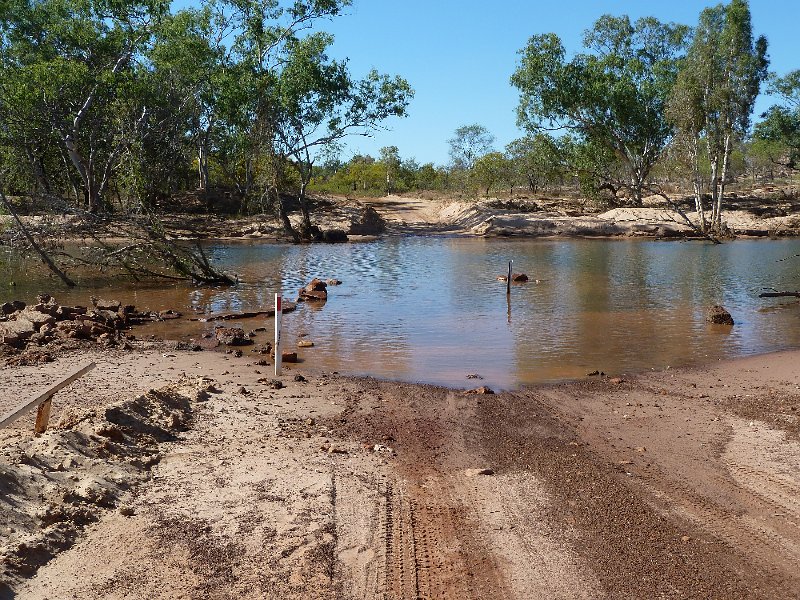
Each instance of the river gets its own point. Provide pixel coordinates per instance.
(431, 309)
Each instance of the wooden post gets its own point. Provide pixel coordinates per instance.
(508, 281)
(43, 416)
(44, 401)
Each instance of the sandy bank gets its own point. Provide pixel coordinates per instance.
(682, 483)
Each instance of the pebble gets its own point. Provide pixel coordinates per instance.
(476, 472)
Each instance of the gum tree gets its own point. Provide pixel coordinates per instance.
(713, 98)
(611, 96)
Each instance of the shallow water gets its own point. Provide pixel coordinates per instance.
(431, 309)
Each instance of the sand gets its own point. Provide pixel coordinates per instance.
(675, 484)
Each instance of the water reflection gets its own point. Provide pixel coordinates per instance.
(427, 309)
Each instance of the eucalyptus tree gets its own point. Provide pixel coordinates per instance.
(713, 98)
(77, 62)
(319, 103)
(468, 143)
(292, 100)
(612, 96)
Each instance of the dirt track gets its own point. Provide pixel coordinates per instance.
(677, 484)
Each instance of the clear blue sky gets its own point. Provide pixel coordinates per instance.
(459, 54)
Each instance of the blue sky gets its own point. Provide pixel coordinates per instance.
(459, 54)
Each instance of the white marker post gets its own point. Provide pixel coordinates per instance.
(278, 313)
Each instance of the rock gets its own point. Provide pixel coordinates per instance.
(333, 282)
(314, 291)
(36, 317)
(481, 390)
(9, 308)
(371, 223)
(126, 510)
(718, 315)
(616, 380)
(15, 332)
(73, 329)
(299, 378)
(502, 278)
(519, 277)
(169, 314)
(275, 384)
(231, 336)
(476, 472)
(99, 303)
(334, 236)
(305, 344)
(288, 357)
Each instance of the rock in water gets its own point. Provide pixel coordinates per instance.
(314, 291)
(719, 316)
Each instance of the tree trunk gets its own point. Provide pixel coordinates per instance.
(696, 183)
(721, 191)
(202, 164)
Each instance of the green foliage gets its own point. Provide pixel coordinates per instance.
(141, 103)
(536, 160)
(779, 131)
(611, 97)
(490, 170)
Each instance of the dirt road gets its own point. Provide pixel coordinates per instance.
(678, 484)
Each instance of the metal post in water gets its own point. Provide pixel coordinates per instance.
(278, 314)
(508, 281)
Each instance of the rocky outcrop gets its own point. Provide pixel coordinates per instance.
(47, 321)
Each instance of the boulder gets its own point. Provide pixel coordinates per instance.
(718, 315)
(334, 236)
(74, 329)
(69, 312)
(519, 277)
(9, 308)
(288, 357)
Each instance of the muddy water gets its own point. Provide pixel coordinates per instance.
(425, 309)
